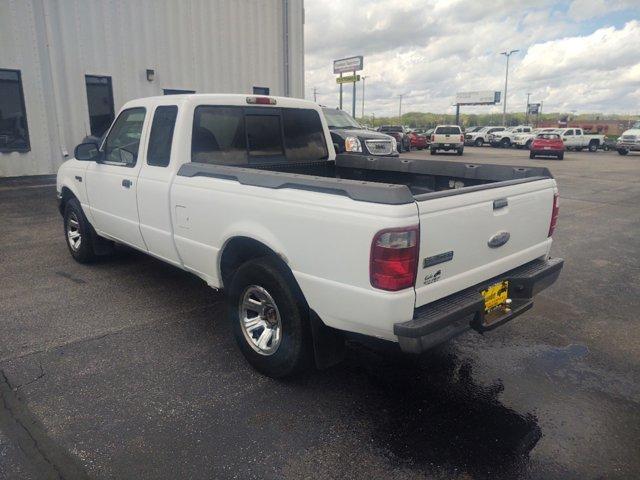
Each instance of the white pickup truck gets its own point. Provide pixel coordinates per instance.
(629, 141)
(576, 139)
(247, 193)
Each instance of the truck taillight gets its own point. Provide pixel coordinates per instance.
(433, 138)
(462, 138)
(394, 258)
(554, 213)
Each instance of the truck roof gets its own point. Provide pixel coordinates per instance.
(219, 99)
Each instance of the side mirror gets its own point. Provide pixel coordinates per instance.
(87, 152)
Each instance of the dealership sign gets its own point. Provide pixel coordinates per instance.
(484, 97)
(350, 64)
(348, 79)
(534, 108)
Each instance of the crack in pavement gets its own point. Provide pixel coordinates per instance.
(46, 457)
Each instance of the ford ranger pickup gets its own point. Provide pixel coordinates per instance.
(310, 247)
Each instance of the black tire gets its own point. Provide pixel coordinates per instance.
(460, 151)
(606, 147)
(432, 151)
(532, 155)
(593, 147)
(295, 350)
(478, 142)
(528, 144)
(561, 156)
(75, 223)
(505, 143)
(623, 151)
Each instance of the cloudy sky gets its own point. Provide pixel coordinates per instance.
(575, 55)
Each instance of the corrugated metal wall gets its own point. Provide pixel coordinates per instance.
(202, 45)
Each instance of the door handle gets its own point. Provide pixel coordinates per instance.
(500, 203)
(126, 183)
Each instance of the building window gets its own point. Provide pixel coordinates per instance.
(164, 121)
(14, 131)
(261, 90)
(100, 101)
(175, 91)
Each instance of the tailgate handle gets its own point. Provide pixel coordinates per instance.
(500, 203)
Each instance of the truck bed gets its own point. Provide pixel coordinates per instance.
(375, 179)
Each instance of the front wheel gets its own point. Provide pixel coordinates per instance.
(593, 147)
(78, 233)
(478, 142)
(623, 151)
(269, 320)
(532, 155)
(505, 143)
(432, 151)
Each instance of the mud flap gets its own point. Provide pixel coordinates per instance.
(329, 346)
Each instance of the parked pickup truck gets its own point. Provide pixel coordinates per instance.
(629, 141)
(576, 139)
(481, 136)
(504, 138)
(447, 137)
(247, 193)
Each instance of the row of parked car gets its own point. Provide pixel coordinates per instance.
(349, 136)
(522, 136)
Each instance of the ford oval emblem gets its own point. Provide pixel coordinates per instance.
(498, 239)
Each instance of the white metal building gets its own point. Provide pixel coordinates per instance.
(67, 66)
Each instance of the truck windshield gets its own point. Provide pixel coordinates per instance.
(390, 128)
(339, 119)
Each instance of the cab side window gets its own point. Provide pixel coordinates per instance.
(161, 137)
(122, 144)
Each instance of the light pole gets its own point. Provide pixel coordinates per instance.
(400, 108)
(315, 93)
(506, 80)
(363, 79)
(527, 112)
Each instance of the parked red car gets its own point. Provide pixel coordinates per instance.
(418, 140)
(547, 145)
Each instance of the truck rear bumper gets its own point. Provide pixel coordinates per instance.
(447, 317)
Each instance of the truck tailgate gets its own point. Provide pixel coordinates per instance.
(462, 235)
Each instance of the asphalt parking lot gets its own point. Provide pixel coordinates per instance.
(127, 368)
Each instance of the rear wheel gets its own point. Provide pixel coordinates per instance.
(623, 151)
(505, 143)
(270, 323)
(78, 233)
(528, 144)
(478, 142)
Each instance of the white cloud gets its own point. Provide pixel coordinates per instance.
(433, 49)
(589, 9)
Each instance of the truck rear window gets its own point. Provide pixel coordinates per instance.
(447, 130)
(231, 135)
